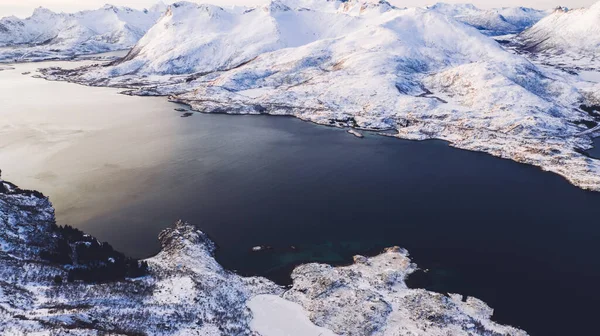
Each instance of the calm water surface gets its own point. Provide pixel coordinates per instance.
(595, 152)
(123, 168)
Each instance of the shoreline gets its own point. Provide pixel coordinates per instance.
(187, 254)
(564, 149)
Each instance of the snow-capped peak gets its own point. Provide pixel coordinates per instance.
(42, 12)
(47, 33)
(566, 31)
(562, 9)
(275, 6)
(499, 21)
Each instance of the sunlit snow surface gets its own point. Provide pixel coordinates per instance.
(567, 38)
(274, 316)
(49, 35)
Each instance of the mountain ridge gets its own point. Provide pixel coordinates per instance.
(46, 34)
(565, 36)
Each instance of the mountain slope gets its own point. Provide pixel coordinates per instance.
(566, 34)
(499, 21)
(366, 65)
(61, 34)
(230, 38)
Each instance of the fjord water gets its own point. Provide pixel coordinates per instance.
(123, 168)
(595, 151)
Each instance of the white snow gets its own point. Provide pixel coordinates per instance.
(566, 37)
(255, 93)
(275, 316)
(47, 34)
(590, 76)
(356, 133)
(497, 21)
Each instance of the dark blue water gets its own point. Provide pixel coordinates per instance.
(595, 152)
(523, 240)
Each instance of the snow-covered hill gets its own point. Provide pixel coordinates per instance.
(186, 292)
(498, 21)
(568, 37)
(46, 34)
(364, 64)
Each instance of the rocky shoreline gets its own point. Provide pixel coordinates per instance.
(184, 291)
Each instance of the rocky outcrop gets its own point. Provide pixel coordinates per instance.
(186, 292)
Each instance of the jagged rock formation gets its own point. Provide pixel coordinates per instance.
(48, 35)
(364, 64)
(186, 292)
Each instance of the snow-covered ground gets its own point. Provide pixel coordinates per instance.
(567, 38)
(275, 316)
(590, 76)
(186, 292)
(497, 21)
(48, 35)
(364, 64)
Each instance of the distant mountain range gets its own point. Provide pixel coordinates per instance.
(499, 21)
(46, 34)
(50, 35)
(567, 37)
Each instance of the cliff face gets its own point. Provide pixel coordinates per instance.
(184, 291)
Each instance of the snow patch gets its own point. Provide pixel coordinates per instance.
(275, 316)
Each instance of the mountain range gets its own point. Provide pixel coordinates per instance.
(566, 37)
(46, 34)
(367, 65)
(497, 21)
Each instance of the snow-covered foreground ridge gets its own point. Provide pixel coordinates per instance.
(369, 65)
(49, 35)
(186, 292)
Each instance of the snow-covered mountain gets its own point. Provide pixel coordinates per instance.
(184, 291)
(46, 34)
(566, 36)
(363, 64)
(498, 21)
